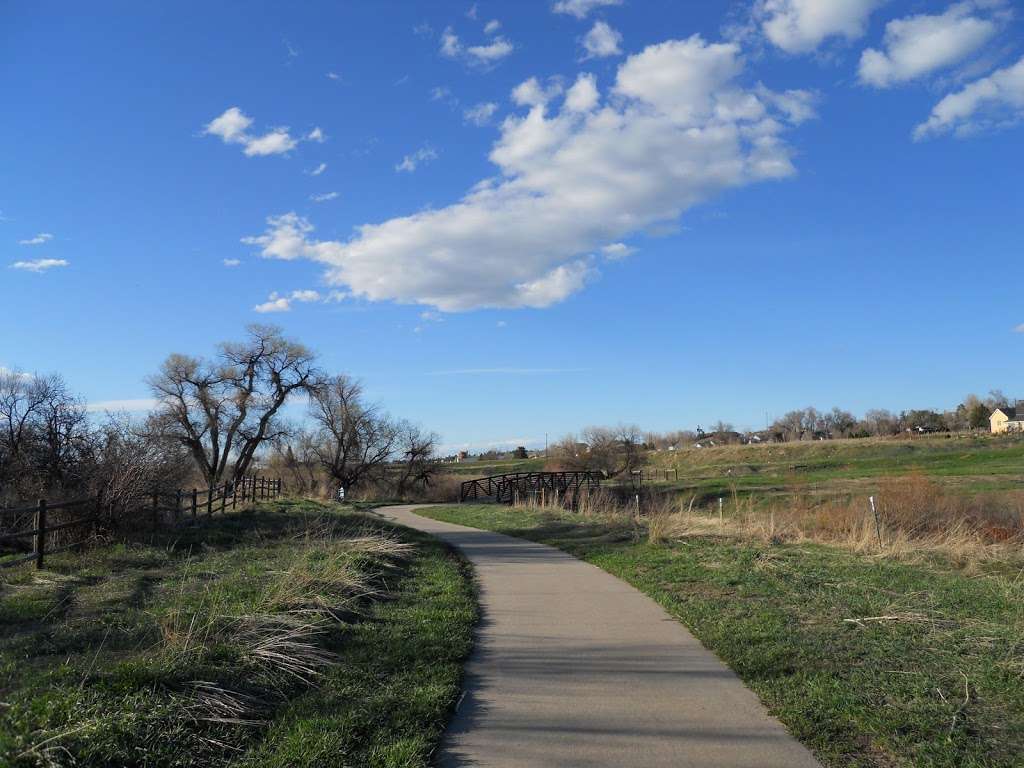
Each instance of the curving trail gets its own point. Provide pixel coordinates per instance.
(573, 667)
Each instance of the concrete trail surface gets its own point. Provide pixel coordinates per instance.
(573, 667)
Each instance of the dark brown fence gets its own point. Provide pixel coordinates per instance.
(157, 509)
(509, 488)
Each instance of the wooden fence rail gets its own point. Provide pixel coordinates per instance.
(89, 511)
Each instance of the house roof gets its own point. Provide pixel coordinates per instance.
(1011, 413)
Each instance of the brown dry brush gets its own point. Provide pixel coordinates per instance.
(916, 515)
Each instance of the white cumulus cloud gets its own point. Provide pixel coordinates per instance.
(991, 102)
(494, 51)
(602, 41)
(800, 26)
(918, 45)
(39, 265)
(580, 8)
(675, 129)
(232, 127)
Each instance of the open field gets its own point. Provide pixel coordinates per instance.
(869, 660)
(972, 463)
(496, 467)
(291, 634)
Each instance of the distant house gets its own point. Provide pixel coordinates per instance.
(1007, 419)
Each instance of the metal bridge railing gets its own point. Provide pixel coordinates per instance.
(505, 488)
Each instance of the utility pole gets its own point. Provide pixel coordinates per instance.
(545, 445)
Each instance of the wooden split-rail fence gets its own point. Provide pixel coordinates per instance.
(160, 508)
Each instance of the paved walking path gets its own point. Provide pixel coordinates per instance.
(573, 667)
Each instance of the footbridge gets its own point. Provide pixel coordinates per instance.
(509, 488)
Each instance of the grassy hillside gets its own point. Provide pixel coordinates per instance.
(499, 467)
(974, 463)
(292, 634)
(868, 660)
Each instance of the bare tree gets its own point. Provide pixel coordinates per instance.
(416, 448)
(22, 399)
(224, 410)
(354, 439)
(612, 450)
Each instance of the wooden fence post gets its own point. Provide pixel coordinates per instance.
(177, 506)
(195, 499)
(209, 502)
(40, 544)
(234, 494)
(156, 509)
(99, 512)
(223, 498)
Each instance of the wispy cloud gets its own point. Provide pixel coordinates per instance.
(232, 262)
(42, 237)
(318, 170)
(506, 371)
(616, 251)
(580, 8)
(486, 445)
(492, 26)
(324, 197)
(411, 162)
(130, 406)
(280, 303)
(39, 265)
(480, 114)
(333, 76)
(474, 55)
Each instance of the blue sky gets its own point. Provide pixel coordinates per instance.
(512, 219)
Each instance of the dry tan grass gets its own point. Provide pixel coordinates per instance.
(916, 516)
(278, 633)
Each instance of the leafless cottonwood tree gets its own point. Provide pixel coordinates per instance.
(223, 410)
(46, 443)
(612, 450)
(415, 451)
(354, 439)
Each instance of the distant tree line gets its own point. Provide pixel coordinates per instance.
(616, 451)
(812, 424)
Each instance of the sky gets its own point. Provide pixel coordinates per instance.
(517, 219)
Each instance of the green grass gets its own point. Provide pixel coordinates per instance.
(497, 467)
(942, 685)
(969, 463)
(100, 653)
